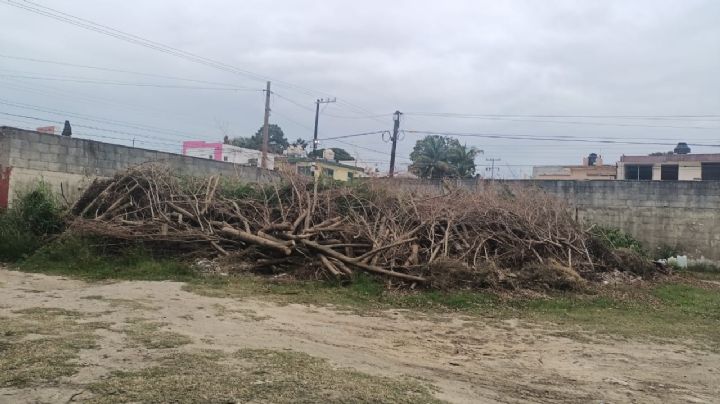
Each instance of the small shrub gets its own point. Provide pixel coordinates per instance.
(616, 238)
(40, 210)
(665, 251)
(33, 217)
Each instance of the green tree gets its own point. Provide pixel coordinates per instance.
(340, 154)
(300, 142)
(276, 140)
(462, 158)
(438, 156)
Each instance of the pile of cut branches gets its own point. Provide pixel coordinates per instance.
(499, 237)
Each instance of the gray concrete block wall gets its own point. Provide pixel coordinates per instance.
(39, 151)
(4, 151)
(69, 164)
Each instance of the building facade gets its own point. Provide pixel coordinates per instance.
(670, 167)
(321, 168)
(591, 169)
(574, 172)
(226, 152)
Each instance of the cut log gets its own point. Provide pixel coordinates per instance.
(253, 239)
(370, 268)
(329, 265)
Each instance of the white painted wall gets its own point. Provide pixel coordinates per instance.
(691, 171)
(232, 154)
(202, 152)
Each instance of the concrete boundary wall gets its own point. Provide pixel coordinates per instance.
(69, 164)
(678, 214)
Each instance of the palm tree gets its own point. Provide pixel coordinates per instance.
(300, 142)
(462, 158)
(430, 157)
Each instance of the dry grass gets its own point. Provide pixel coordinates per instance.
(222, 311)
(258, 376)
(126, 303)
(149, 335)
(40, 345)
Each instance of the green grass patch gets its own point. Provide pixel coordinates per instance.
(81, 258)
(258, 376)
(363, 294)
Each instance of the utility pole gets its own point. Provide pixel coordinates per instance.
(396, 129)
(266, 127)
(317, 117)
(492, 167)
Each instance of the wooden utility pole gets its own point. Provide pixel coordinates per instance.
(266, 127)
(396, 129)
(492, 167)
(317, 117)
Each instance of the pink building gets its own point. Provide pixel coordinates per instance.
(225, 152)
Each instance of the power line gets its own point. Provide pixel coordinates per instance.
(307, 108)
(134, 134)
(85, 134)
(551, 139)
(51, 91)
(296, 103)
(108, 69)
(368, 149)
(377, 132)
(92, 118)
(291, 120)
(122, 83)
(461, 115)
(572, 122)
(138, 40)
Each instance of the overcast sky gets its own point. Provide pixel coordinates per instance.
(648, 58)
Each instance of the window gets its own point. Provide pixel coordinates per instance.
(669, 172)
(710, 171)
(350, 176)
(225, 158)
(210, 157)
(328, 172)
(253, 162)
(304, 170)
(638, 172)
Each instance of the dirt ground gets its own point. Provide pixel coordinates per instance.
(462, 359)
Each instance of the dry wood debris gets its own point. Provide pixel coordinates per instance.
(500, 237)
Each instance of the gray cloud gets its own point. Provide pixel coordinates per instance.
(641, 57)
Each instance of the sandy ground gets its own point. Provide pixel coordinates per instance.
(469, 360)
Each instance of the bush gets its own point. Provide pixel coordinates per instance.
(665, 251)
(24, 227)
(616, 238)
